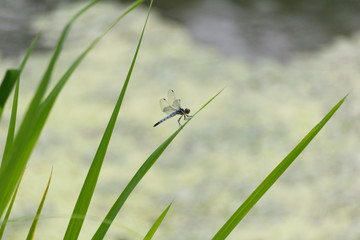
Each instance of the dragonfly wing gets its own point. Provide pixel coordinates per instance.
(176, 104)
(165, 106)
(171, 97)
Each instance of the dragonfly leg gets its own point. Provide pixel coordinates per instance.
(179, 120)
(187, 117)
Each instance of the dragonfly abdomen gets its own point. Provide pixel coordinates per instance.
(166, 118)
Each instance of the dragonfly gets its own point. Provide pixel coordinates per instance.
(172, 107)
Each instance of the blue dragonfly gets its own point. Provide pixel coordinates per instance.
(172, 107)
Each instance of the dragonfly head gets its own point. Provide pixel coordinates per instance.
(187, 111)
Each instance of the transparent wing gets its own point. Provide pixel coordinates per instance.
(165, 106)
(175, 103)
(171, 96)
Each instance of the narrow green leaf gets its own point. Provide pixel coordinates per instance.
(157, 223)
(6, 218)
(83, 202)
(240, 213)
(35, 119)
(6, 86)
(11, 130)
(29, 120)
(49, 70)
(100, 233)
(38, 212)
(16, 159)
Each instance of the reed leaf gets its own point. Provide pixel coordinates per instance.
(19, 152)
(101, 231)
(6, 218)
(36, 117)
(6, 86)
(31, 233)
(240, 213)
(11, 129)
(156, 224)
(83, 202)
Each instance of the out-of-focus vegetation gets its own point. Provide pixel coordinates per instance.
(265, 109)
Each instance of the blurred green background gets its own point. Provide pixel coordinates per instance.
(281, 75)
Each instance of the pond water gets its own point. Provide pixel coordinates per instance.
(253, 30)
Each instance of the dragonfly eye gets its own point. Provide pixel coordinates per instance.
(187, 111)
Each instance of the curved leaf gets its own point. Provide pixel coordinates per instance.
(6, 218)
(157, 223)
(38, 212)
(26, 138)
(240, 213)
(83, 201)
(6, 86)
(11, 130)
(100, 233)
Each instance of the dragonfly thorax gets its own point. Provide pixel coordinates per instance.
(182, 111)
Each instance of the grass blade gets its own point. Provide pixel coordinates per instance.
(157, 223)
(272, 177)
(29, 119)
(49, 101)
(38, 212)
(33, 124)
(83, 202)
(100, 233)
(6, 86)
(6, 218)
(11, 130)
(24, 142)
(49, 70)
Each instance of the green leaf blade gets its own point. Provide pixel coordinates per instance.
(35, 118)
(157, 223)
(10, 136)
(86, 193)
(103, 228)
(6, 218)
(6, 86)
(50, 68)
(241, 212)
(11, 130)
(38, 212)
